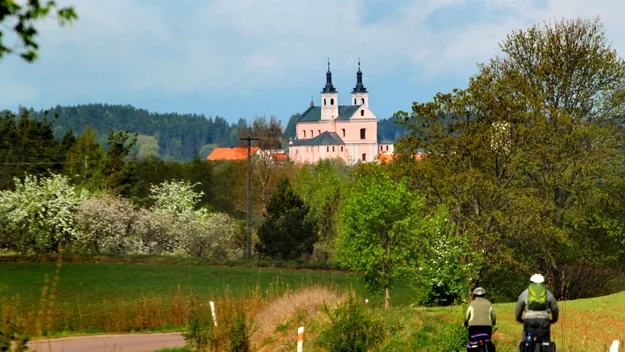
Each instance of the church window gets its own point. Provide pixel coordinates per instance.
(332, 148)
(363, 133)
(311, 134)
(363, 100)
(324, 101)
(341, 148)
(364, 157)
(332, 101)
(387, 148)
(354, 101)
(304, 134)
(318, 132)
(327, 149)
(343, 132)
(362, 112)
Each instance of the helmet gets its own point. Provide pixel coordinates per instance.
(479, 291)
(537, 278)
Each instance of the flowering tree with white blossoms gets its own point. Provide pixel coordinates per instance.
(212, 235)
(39, 215)
(175, 197)
(193, 232)
(154, 232)
(105, 224)
(447, 264)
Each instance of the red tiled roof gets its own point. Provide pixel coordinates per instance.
(232, 153)
(279, 156)
(386, 158)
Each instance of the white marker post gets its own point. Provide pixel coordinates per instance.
(614, 347)
(212, 304)
(300, 339)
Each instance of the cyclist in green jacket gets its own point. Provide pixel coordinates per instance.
(537, 302)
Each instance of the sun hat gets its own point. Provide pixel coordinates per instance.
(537, 278)
(479, 291)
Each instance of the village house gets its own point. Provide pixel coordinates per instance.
(347, 132)
(240, 153)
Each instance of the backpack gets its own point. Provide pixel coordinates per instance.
(537, 297)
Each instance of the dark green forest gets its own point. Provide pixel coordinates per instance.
(170, 136)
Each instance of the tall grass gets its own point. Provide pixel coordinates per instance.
(164, 311)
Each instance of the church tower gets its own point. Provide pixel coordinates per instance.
(360, 96)
(329, 99)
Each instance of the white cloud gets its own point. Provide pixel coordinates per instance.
(233, 47)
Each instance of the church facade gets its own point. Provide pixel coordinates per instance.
(347, 132)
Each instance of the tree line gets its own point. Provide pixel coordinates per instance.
(171, 135)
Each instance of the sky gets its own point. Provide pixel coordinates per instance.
(246, 58)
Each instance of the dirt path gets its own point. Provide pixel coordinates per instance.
(109, 343)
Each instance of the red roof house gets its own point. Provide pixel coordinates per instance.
(231, 153)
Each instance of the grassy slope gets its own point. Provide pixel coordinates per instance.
(584, 325)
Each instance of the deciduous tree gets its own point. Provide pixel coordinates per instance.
(39, 215)
(527, 157)
(381, 228)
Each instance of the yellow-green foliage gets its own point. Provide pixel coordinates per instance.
(146, 146)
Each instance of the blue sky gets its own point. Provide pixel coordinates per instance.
(247, 58)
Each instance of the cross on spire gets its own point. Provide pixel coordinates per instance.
(329, 88)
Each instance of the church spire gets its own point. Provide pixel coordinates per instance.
(360, 88)
(329, 88)
(329, 98)
(360, 96)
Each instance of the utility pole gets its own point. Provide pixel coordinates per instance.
(249, 193)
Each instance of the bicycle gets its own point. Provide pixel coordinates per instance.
(480, 343)
(537, 344)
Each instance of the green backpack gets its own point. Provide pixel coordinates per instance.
(537, 297)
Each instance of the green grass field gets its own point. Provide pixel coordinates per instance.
(91, 282)
(124, 297)
(130, 297)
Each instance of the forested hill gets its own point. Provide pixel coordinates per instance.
(169, 135)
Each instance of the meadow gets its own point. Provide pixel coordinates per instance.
(114, 295)
(117, 295)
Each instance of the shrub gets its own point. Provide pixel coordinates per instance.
(200, 331)
(104, 224)
(11, 334)
(353, 329)
(262, 263)
(239, 333)
(452, 337)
